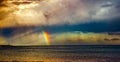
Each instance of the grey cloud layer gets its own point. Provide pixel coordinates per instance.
(51, 12)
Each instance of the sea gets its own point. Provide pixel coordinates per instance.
(61, 53)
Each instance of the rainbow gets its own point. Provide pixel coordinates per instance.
(46, 37)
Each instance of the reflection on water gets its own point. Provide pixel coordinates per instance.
(60, 52)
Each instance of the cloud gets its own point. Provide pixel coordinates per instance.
(53, 12)
(105, 11)
(65, 38)
(56, 12)
(107, 4)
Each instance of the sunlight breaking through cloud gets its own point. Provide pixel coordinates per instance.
(57, 12)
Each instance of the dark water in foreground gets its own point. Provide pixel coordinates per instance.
(61, 52)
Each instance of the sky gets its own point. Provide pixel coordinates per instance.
(57, 16)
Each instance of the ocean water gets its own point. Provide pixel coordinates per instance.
(61, 53)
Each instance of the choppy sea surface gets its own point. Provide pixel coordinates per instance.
(61, 53)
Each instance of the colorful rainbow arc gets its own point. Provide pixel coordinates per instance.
(46, 37)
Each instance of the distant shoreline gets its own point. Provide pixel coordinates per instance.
(58, 45)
